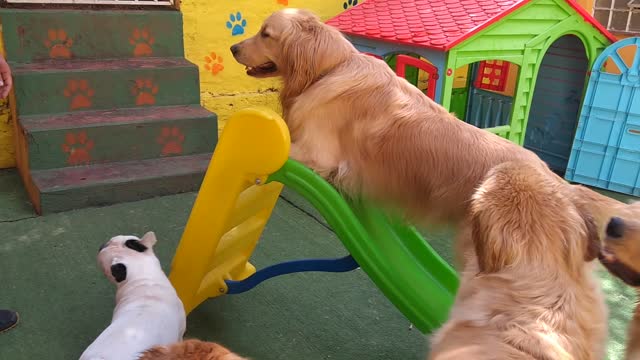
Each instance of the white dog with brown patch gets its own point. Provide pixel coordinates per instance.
(148, 311)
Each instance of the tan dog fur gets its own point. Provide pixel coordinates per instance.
(528, 291)
(190, 350)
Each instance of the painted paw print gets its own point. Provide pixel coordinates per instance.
(80, 94)
(142, 42)
(283, 2)
(171, 139)
(237, 24)
(349, 3)
(213, 63)
(78, 147)
(145, 91)
(59, 44)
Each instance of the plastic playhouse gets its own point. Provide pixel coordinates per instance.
(514, 67)
(519, 68)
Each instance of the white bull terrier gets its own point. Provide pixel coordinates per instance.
(148, 311)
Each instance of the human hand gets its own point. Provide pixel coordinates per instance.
(5, 78)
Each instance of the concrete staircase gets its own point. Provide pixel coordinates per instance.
(108, 107)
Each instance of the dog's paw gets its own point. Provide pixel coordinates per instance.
(236, 24)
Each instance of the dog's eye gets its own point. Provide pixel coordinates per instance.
(135, 245)
(264, 34)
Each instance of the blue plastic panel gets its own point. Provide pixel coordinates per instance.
(606, 150)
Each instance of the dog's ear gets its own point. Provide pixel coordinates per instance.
(119, 272)
(591, 207)
(136, 245)
(594, 242)
(478, 237)
(492, 250)
(149, 239)
(311, 52)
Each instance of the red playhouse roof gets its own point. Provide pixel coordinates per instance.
(435, 24)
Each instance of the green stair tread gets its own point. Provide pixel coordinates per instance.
(118, 135)
(52, 87)
(94, 176)
(111, 117)
(28, 33)
(99, 65)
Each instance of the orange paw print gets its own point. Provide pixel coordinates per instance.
(142, 42)
(213, 63)
(171, 139)
(59, 44)
(78, 146)
(145, 90)
(283, 2)
(80, 94)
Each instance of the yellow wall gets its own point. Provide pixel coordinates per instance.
(225, 87)
(7, 154)
(587, 4)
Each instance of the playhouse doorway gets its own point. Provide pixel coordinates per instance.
(556, 102)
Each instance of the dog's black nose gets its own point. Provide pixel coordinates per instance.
(235, 49)
(102, 247)
(615, 228)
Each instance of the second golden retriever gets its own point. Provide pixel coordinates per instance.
(371, 132)
(528, 291)
(621, 256)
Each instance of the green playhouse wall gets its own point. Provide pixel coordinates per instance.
(523, 38)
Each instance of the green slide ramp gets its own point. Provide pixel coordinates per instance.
(394, 255)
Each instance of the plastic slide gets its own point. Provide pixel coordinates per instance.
(236, 200)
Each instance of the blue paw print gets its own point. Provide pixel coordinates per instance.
(237, 24)
(349, 3)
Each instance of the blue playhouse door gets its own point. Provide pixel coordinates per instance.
(606, 150)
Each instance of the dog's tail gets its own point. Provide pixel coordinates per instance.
(190, 349)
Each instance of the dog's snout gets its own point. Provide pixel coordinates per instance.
(615, 228)
(103, 246)
(235, 49)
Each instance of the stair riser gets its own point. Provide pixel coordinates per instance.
(102, 195)
(106, 144)
(64, 91)
(34, 35)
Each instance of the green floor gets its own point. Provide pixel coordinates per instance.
(49, 274)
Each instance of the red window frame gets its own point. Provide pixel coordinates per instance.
(492, 75)
(402, 61)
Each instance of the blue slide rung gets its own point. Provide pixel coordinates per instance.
(343, 264)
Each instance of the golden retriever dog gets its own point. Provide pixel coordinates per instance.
(621, 256)
(370, 132)
(366, 130)
(530, 291)
(190, 350)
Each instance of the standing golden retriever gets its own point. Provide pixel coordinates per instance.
(529, 291)
(621, 256)
(359, 125)
(369, 131)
